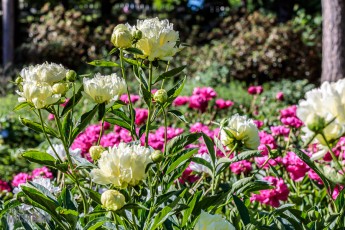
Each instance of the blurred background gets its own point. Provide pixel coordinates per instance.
(252, 40)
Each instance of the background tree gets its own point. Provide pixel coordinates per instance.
(333, 40)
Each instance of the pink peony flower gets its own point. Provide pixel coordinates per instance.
(255, 90)
(273, 196)
(261, 160)
(222, 104)
(199, 127)
(42, 172)
(258, 123)
(280, 131)
(313, 176)
(141, 116)
(266, 140)
(110, 139)
(20, 178)
(292, 121)
(51, 117)
(207, 92)
(295, 166)
(134, 98)
(336, 191)
(241, 167)
(288, 112)
(4, 186)
(181, 100)
(280, 96)
(198, 102)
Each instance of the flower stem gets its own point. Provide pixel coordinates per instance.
(133, 133)
(165, 131)
(332, 153)
(149, 105)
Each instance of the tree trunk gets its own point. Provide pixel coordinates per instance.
(8, 32)
(333, 40)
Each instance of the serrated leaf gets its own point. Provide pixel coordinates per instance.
(103, 63)
(169, 74)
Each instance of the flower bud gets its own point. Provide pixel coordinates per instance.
(71, 75)
(121, 37)
(96, 152)
(112, 200)
(137, 34)
(157, 156)
(60, 88)
(315, 123)
(160, 96)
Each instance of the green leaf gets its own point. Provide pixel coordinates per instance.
(70, 215)
(242, 209)
(248, 185)
(101, 111)
(169, 74)
(8, 205)
(21, 106)
(116, 105)
(133, 206)
(178, 143)
(122, 115)
(203, 162)
(245, 155)
(281, 209)
(38, 127)
(112, 51)
(147, 96)
(66, 199)
(84, 121)
(165, 212)
(67, 126)
(178, 115)
(119, 122)
(96, 223)
(134, 50)
(140, 76)
(73, 101)
(134, 62)
(103, 63)
(340, 201)
(185, 157)
(187, 213)
(39, 157)
(304, 157)
(176, 90)
(210, 148)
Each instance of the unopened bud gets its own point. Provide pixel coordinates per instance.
(71, 75)
(157, 156)
(60, 88)
(96, 152)
(160, 96)
(112, 200)
(137, 35)
(315, 123)
(121, 37)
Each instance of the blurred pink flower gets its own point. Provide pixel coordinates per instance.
(198, 102)
(181, 100)
(222, 104)
(295, 166)
(134, 98)
(241, 167)
(4, 186)
(42, 172)
(20, 178)
(255, 90)
(280, 96)
(207, 92)
(141, 116)
(273, 196)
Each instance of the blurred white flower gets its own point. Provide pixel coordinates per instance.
(325, 103)
(40, 94)
(122, 165)
(239, 129)
(49, 73)
(159, 40)
(112, 200)
(199, 167)
(207, 221)
(104, 88)
(60, 150)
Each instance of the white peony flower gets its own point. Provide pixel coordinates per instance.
(104, 88)
(122, 165)
(40, 94)
(48, 73)
(199, 167)
(207, 221)
(158, 39)
(60, 150)
(241, 130)
(325, 103)
(112, 200)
